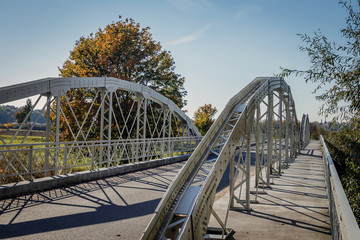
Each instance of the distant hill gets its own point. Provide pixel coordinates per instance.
(7, 114)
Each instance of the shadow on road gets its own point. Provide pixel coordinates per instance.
(101, 214)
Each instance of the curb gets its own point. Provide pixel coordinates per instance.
(26, 187)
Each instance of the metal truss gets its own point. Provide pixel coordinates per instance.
(257, 129)
(92, 123)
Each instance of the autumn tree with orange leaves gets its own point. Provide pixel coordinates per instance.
(204, 118)
(126, 51)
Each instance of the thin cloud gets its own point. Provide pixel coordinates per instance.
(248, 11)
(191, 5)
(189, 38)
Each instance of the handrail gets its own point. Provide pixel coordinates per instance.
(343, 222)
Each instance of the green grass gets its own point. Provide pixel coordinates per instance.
(18, 139)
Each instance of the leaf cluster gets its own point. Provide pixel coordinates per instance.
(204, 118)
(126, 51)
(335, 67)
(21, 115)
(344, 147)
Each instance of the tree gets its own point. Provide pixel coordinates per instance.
(335, 66)
(204, 118)
(124, 50)
(21, 115)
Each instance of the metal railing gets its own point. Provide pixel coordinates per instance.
(20, 162)
(343, 222)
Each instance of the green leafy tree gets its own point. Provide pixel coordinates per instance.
(335, 66)
(204, 118)
(21, 115)
(344, 147)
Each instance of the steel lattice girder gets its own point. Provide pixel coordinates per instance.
(147, 117)
(185, 209)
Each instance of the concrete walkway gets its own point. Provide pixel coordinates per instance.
(296, 207)
(116, 208)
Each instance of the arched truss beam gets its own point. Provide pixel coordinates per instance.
(262, 116)
(59, 87)
(119, 122)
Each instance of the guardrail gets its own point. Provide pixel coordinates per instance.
(343, 222)
(20, 162)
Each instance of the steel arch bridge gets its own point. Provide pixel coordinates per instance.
(127, 122)
(258, 123)
(123, 122)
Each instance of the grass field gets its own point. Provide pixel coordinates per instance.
(18, 139)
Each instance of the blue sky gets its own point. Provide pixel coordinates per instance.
(218, 46)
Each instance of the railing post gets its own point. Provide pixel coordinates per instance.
(65, 158)
(92, 156)
(31, 177)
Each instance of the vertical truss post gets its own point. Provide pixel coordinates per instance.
(57, 132)
(248, 159)
(292, 145)
(231, 178)
(162, 148)
(269, 136)
(47, 134)
(182, 140)
(257, 138)
(297, 139)
(102, 113)
(109, 129)
(280, 130)
(287, 132)
(139, 100)
(144, 130)
(169, 139)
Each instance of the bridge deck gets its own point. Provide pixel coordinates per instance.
(295, 208)
(118, 207)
